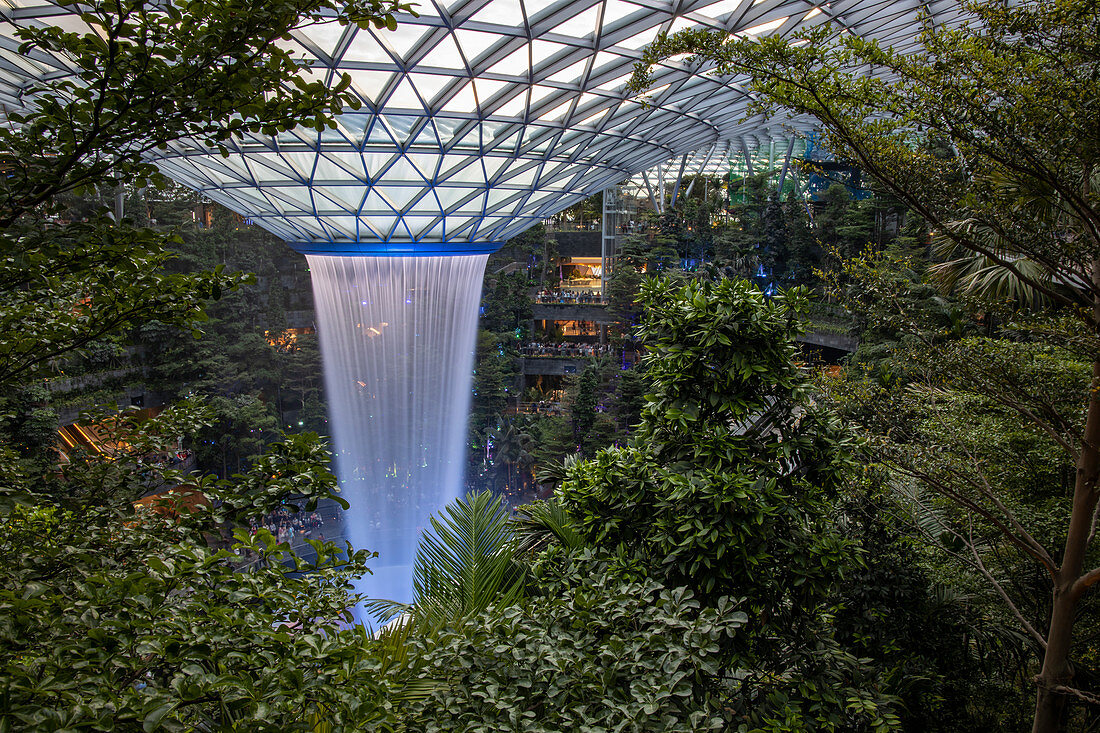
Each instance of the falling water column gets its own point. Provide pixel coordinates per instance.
(397, 337)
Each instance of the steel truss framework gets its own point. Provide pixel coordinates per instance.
(482, 117)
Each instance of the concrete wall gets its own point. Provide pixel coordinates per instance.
(561, 312)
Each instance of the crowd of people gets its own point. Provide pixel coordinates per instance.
(565, 297)
(290, 526)
(566, 351)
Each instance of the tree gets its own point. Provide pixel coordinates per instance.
(988, 133)
(727, 489)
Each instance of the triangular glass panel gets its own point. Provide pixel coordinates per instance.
(556, 114)
(348, 198)
(540, 93)
(571, 74)
(474, 44)
(501, 12)
(403, 97)
(426, 138)
(373, 204)
(581, 25)
(426, 164)
(444, 55)
(516, 64)
(487, 88)
(640, 40)
(493, 164)
(462, 100)
(535, 8)
(381, 226)
(369, 85)
(419, 226)
(524, 177)
(616, 10)
(430, 85)
(322, 38)
(402, 126)
(401, 40)
(449, 197)
(542, 51)
(366, 48)
(302, 163)
(514, 107)
(399, 196)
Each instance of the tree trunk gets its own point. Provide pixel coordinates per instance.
(1057, 671)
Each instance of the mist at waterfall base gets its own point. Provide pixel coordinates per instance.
(397, 339)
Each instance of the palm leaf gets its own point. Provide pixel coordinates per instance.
(466, 562)
(538, 525)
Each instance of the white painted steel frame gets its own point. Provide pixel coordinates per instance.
(482, 117)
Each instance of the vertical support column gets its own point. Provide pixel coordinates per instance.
(607, 240)
(786, 165)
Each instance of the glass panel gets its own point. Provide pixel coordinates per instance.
(404, 97)
(543, 50)
(470, 174)
(399, 196)
(381, 225)
(722, 8)
(523, 178)
(323, 37)
(444, 55)
(570, 74)
(430, 85)
(493, 165)
(501, 12)
(580, 26)
(556, 114)
(426, 164)
(615, 10)
(536, 7)
(487, 89)
(403, 170)
(475, 43)
(350, 198)
(365, 47)
(516, 64)
(638, 40)
(462, 101)
(514, 107)
(402, 40)
(449, 197)
(763, 28)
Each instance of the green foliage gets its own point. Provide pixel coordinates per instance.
(727, 489)
(117, 615)
(589, 652)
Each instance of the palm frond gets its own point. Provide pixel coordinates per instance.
(971, 273)
(555, 472)
(466, 562)
(539, 524)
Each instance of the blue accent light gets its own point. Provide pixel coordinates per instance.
(395, 249)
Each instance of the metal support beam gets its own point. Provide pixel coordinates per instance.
(609, 220)
(649, 187)
(679, 180)
(702, 169)
(748, 158)
(786, 164)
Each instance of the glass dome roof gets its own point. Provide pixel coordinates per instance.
(481, 117)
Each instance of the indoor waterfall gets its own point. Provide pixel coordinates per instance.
(397, 337)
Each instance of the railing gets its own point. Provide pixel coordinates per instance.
(565, 298)
(567, 351)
